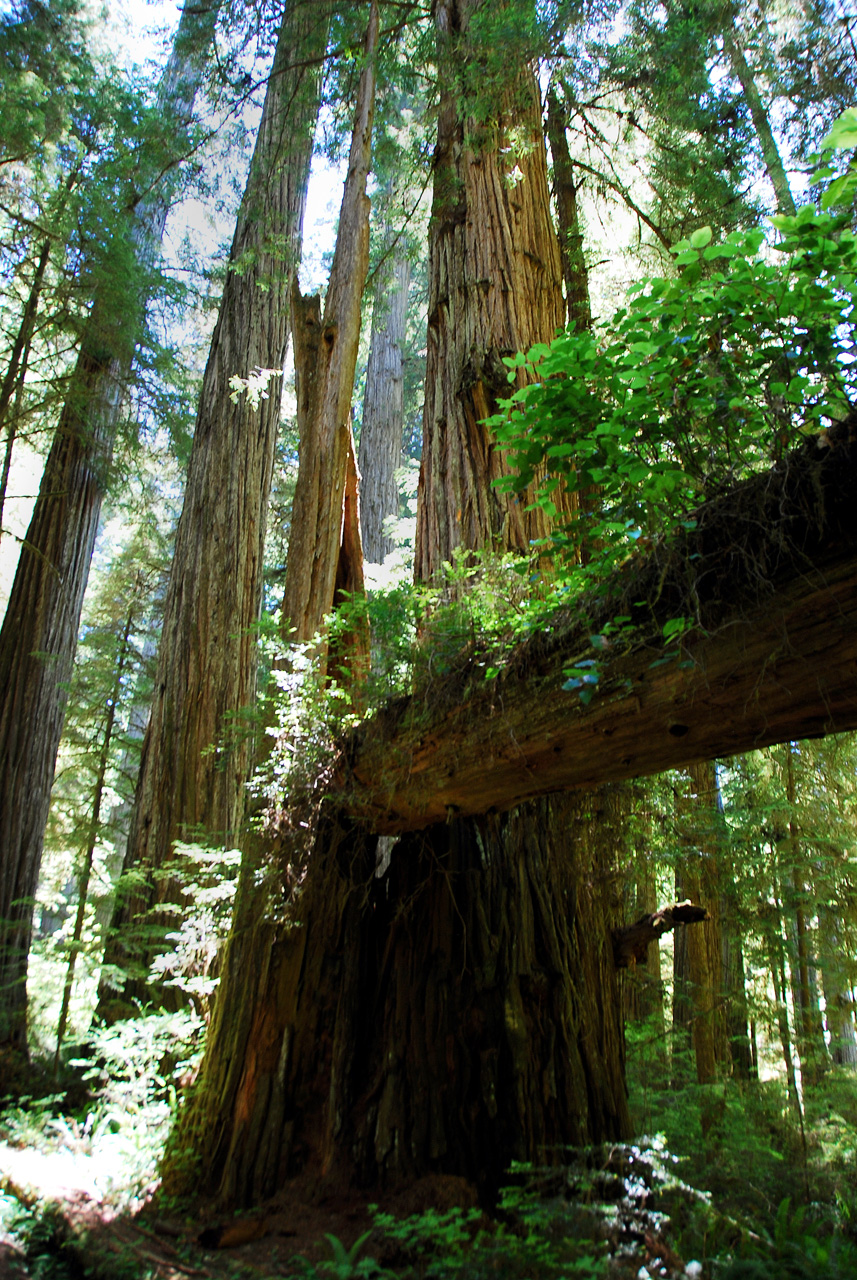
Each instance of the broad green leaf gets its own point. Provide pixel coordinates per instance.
(701, 238)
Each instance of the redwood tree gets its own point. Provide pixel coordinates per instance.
(460, 1010)
(39, 633)
(196, 753)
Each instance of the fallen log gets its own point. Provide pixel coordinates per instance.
(769, 575)
(631, 941)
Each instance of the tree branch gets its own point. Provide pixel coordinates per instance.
(631, 942)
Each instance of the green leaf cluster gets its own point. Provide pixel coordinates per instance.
(699, 380)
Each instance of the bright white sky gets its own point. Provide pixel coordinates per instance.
(139, 35)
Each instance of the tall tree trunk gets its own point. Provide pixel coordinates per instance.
(495, 289)
(380, 453)
(777, 965)
(459, 1010)
(196, 752)
(839, 1006)
(16, 370)
(574, 269)
(698, 963)
(809, 1028)
(733, 983)
(761, 121)
(85, 871)
(241, 1122)
(39, 633)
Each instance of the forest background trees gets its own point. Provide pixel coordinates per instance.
(450, 1001)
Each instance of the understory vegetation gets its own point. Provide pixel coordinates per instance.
(212, 691)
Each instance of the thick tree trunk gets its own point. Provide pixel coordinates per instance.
(449, 1015)
(321, 511)
(380, 454)
(39, 634)
(453, 1014)
(495, 289)
(196, 753)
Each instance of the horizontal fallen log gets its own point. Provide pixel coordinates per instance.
(770, 576)
(631, 942)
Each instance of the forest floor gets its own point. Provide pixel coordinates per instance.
(304, 1230)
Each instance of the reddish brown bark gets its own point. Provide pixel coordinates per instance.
(196, 752)
(495, 289)
(325, 516)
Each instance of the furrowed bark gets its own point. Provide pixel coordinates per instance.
(39, 634)
(326, 442)
(495, 289)
(380, 453)
(196, 752)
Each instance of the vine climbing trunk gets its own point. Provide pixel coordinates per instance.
(39, 634)
(196, 752)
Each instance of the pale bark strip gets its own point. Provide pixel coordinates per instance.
(774, 572)
(39, 633)
(380, 454)
(326, 440)
(196, 751)
(495, 289)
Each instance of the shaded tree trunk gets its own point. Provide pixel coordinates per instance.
(777, 965)
(196, 753)
(85, 871)
(449, 1015)
(380, 454)
(39, 633)
(811, 1046)
(699, 1003)
(574, 269)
